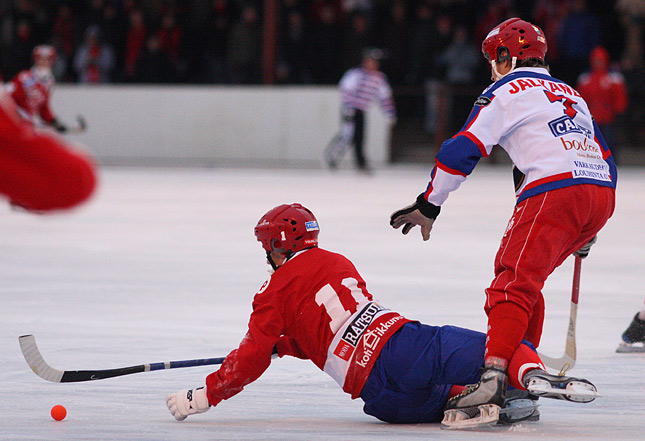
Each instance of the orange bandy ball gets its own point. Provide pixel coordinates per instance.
(59, 412)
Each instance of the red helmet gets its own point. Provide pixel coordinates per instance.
(520, 38)
(44, 51)
(287, 229)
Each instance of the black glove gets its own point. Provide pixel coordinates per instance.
(584, 251)
(58, 126)
(421, 213)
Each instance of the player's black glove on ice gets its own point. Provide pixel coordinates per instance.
(584, 251)
(421, 213)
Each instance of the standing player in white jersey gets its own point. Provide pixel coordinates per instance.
(565, 185)
(316, 306)
(359, 87)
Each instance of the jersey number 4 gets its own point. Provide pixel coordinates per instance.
(566, 102)
(330, 299)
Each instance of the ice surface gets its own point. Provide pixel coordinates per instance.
(162, 265)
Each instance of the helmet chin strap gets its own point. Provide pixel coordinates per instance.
(498, 76)
(288, 256)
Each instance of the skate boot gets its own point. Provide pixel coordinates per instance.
(479, 404)
(633, 337)
(543, 384)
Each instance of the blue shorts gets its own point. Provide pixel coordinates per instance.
(412, 376)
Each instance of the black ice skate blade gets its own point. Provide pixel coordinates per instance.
(519, 410)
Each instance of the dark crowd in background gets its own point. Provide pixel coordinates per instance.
(221, 41)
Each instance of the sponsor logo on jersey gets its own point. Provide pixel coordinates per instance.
(593, 171)
(357, 327)
(482, 101)
(565, 125)
(372, 338)
(312, 226)
(344, 350)
(264, 286)
(584, 146)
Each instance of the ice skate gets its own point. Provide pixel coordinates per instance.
(479, 404)
(543, 384)
(633, 337)
(520, 405)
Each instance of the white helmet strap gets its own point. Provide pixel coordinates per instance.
(498, 76)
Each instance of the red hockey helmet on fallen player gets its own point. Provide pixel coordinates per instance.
(287, 229)
(520, 38)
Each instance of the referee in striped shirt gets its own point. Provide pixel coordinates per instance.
(359, 87)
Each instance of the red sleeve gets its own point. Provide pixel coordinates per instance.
(246, 363)
(287, 346)
(18, 93)
(45, 112)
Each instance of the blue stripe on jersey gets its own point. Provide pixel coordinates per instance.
(613, 171)
(459, 153)
(432, 173)
(473, 114)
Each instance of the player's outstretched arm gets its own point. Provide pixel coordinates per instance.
(187, 402)
(421, 213)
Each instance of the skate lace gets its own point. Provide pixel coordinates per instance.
(470, 388)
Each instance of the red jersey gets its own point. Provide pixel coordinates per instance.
(37, 170)
(316, 306)
(605, 93)
(31, 93)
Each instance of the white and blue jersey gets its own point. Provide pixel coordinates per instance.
(545, 127)
(360, 87)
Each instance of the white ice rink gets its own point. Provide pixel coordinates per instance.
(162, 265)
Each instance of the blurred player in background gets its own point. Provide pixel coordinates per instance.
(565, 180)
(359, 87)
(605, 93)
(634, 335)
(39, 171)
(31, 89)
(316, 306)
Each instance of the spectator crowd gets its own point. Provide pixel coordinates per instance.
(221, 41)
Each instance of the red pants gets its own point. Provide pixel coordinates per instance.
(545, 229)
(37, 170)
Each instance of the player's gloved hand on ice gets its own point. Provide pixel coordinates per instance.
(421, 213)
(187, 402)
(58, 126)
(584, 251)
